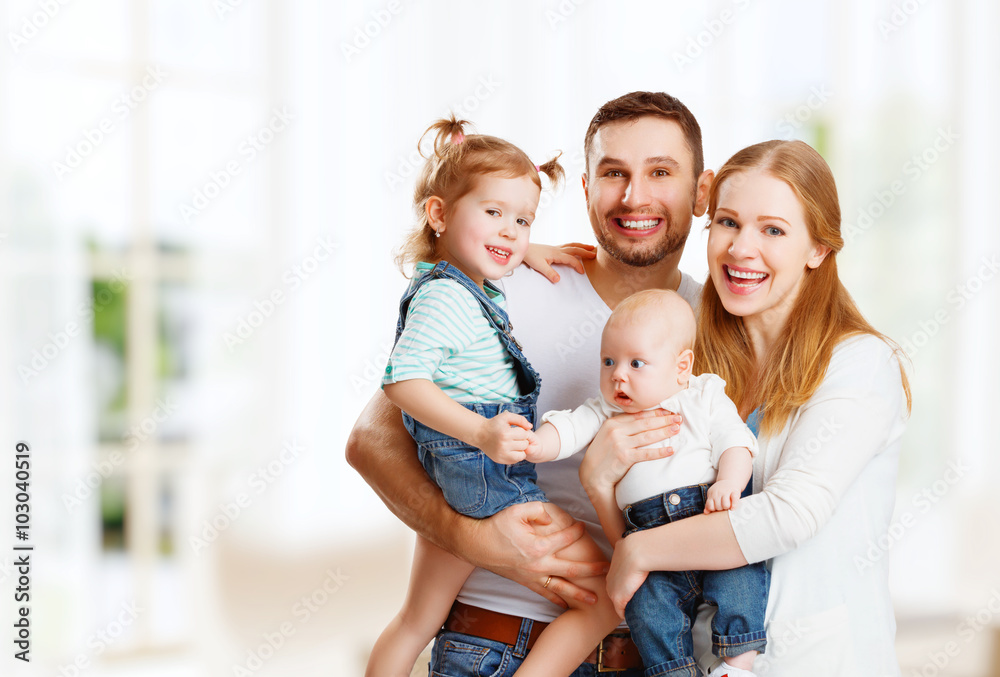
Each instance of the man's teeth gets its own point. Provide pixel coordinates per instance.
(747, 275)
(639, 225)
(499, 252)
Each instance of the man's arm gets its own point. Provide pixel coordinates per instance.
(511, 543)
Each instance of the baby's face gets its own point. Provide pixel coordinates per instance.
(638, 368)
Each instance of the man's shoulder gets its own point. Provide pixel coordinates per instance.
(690, 290)
(525, 284)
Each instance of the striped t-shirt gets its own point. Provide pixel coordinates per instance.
(447, 340)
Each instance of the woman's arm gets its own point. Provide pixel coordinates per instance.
(687, 544)
(508, 543)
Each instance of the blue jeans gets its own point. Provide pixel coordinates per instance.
(473, 484)
(662, 611)
(458, 655)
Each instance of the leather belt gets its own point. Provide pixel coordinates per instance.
(615, 652)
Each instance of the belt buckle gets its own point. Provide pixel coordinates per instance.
(600, 658)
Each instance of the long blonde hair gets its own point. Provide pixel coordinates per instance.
(823, 315)
(456, 160)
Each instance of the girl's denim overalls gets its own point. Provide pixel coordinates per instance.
(473, 484)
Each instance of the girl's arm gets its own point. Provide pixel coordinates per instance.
(541, 257)
(504, 438)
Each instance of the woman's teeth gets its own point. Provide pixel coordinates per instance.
(638, 225)
(747, 278)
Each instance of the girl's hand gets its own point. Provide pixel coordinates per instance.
(541, 257)
(722, 496)
(505, 437)
(626, 574)
(617, 447)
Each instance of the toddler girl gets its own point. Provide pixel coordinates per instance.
(467, 392)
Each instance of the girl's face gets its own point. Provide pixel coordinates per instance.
(759, 248)
(485, 235)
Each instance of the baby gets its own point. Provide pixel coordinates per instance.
(646, 363)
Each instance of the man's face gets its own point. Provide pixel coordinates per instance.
(640, 189)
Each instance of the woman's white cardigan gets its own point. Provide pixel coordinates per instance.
(823, 499)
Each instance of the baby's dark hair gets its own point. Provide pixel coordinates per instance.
(452, 167)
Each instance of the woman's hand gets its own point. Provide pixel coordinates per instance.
(541, 257)
(626, 574)
(618, 445)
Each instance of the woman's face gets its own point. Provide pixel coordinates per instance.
(759, 247)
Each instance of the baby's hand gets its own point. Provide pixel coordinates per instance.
(723, 495)
(504, 438)
(535, 451)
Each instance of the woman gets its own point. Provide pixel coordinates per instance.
(831, 399)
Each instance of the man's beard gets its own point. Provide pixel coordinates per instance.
(670, 242)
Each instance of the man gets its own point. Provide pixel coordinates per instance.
(644, 182)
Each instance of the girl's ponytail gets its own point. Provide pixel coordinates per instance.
(449, 133)
(553, 170)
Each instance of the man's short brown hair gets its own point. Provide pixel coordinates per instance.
(635, 105)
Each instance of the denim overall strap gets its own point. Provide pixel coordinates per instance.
(527, 377)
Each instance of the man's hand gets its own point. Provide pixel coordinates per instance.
(522, 543)
(723, 495)
(619, 444)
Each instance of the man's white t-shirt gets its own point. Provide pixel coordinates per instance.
(559, 326)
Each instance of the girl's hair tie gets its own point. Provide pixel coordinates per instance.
(537, 168)
(457, 138)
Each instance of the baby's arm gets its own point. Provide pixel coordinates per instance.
(545, 445)
(504, 438)
(735, 469)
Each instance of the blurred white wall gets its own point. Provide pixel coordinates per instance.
(246, 168)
